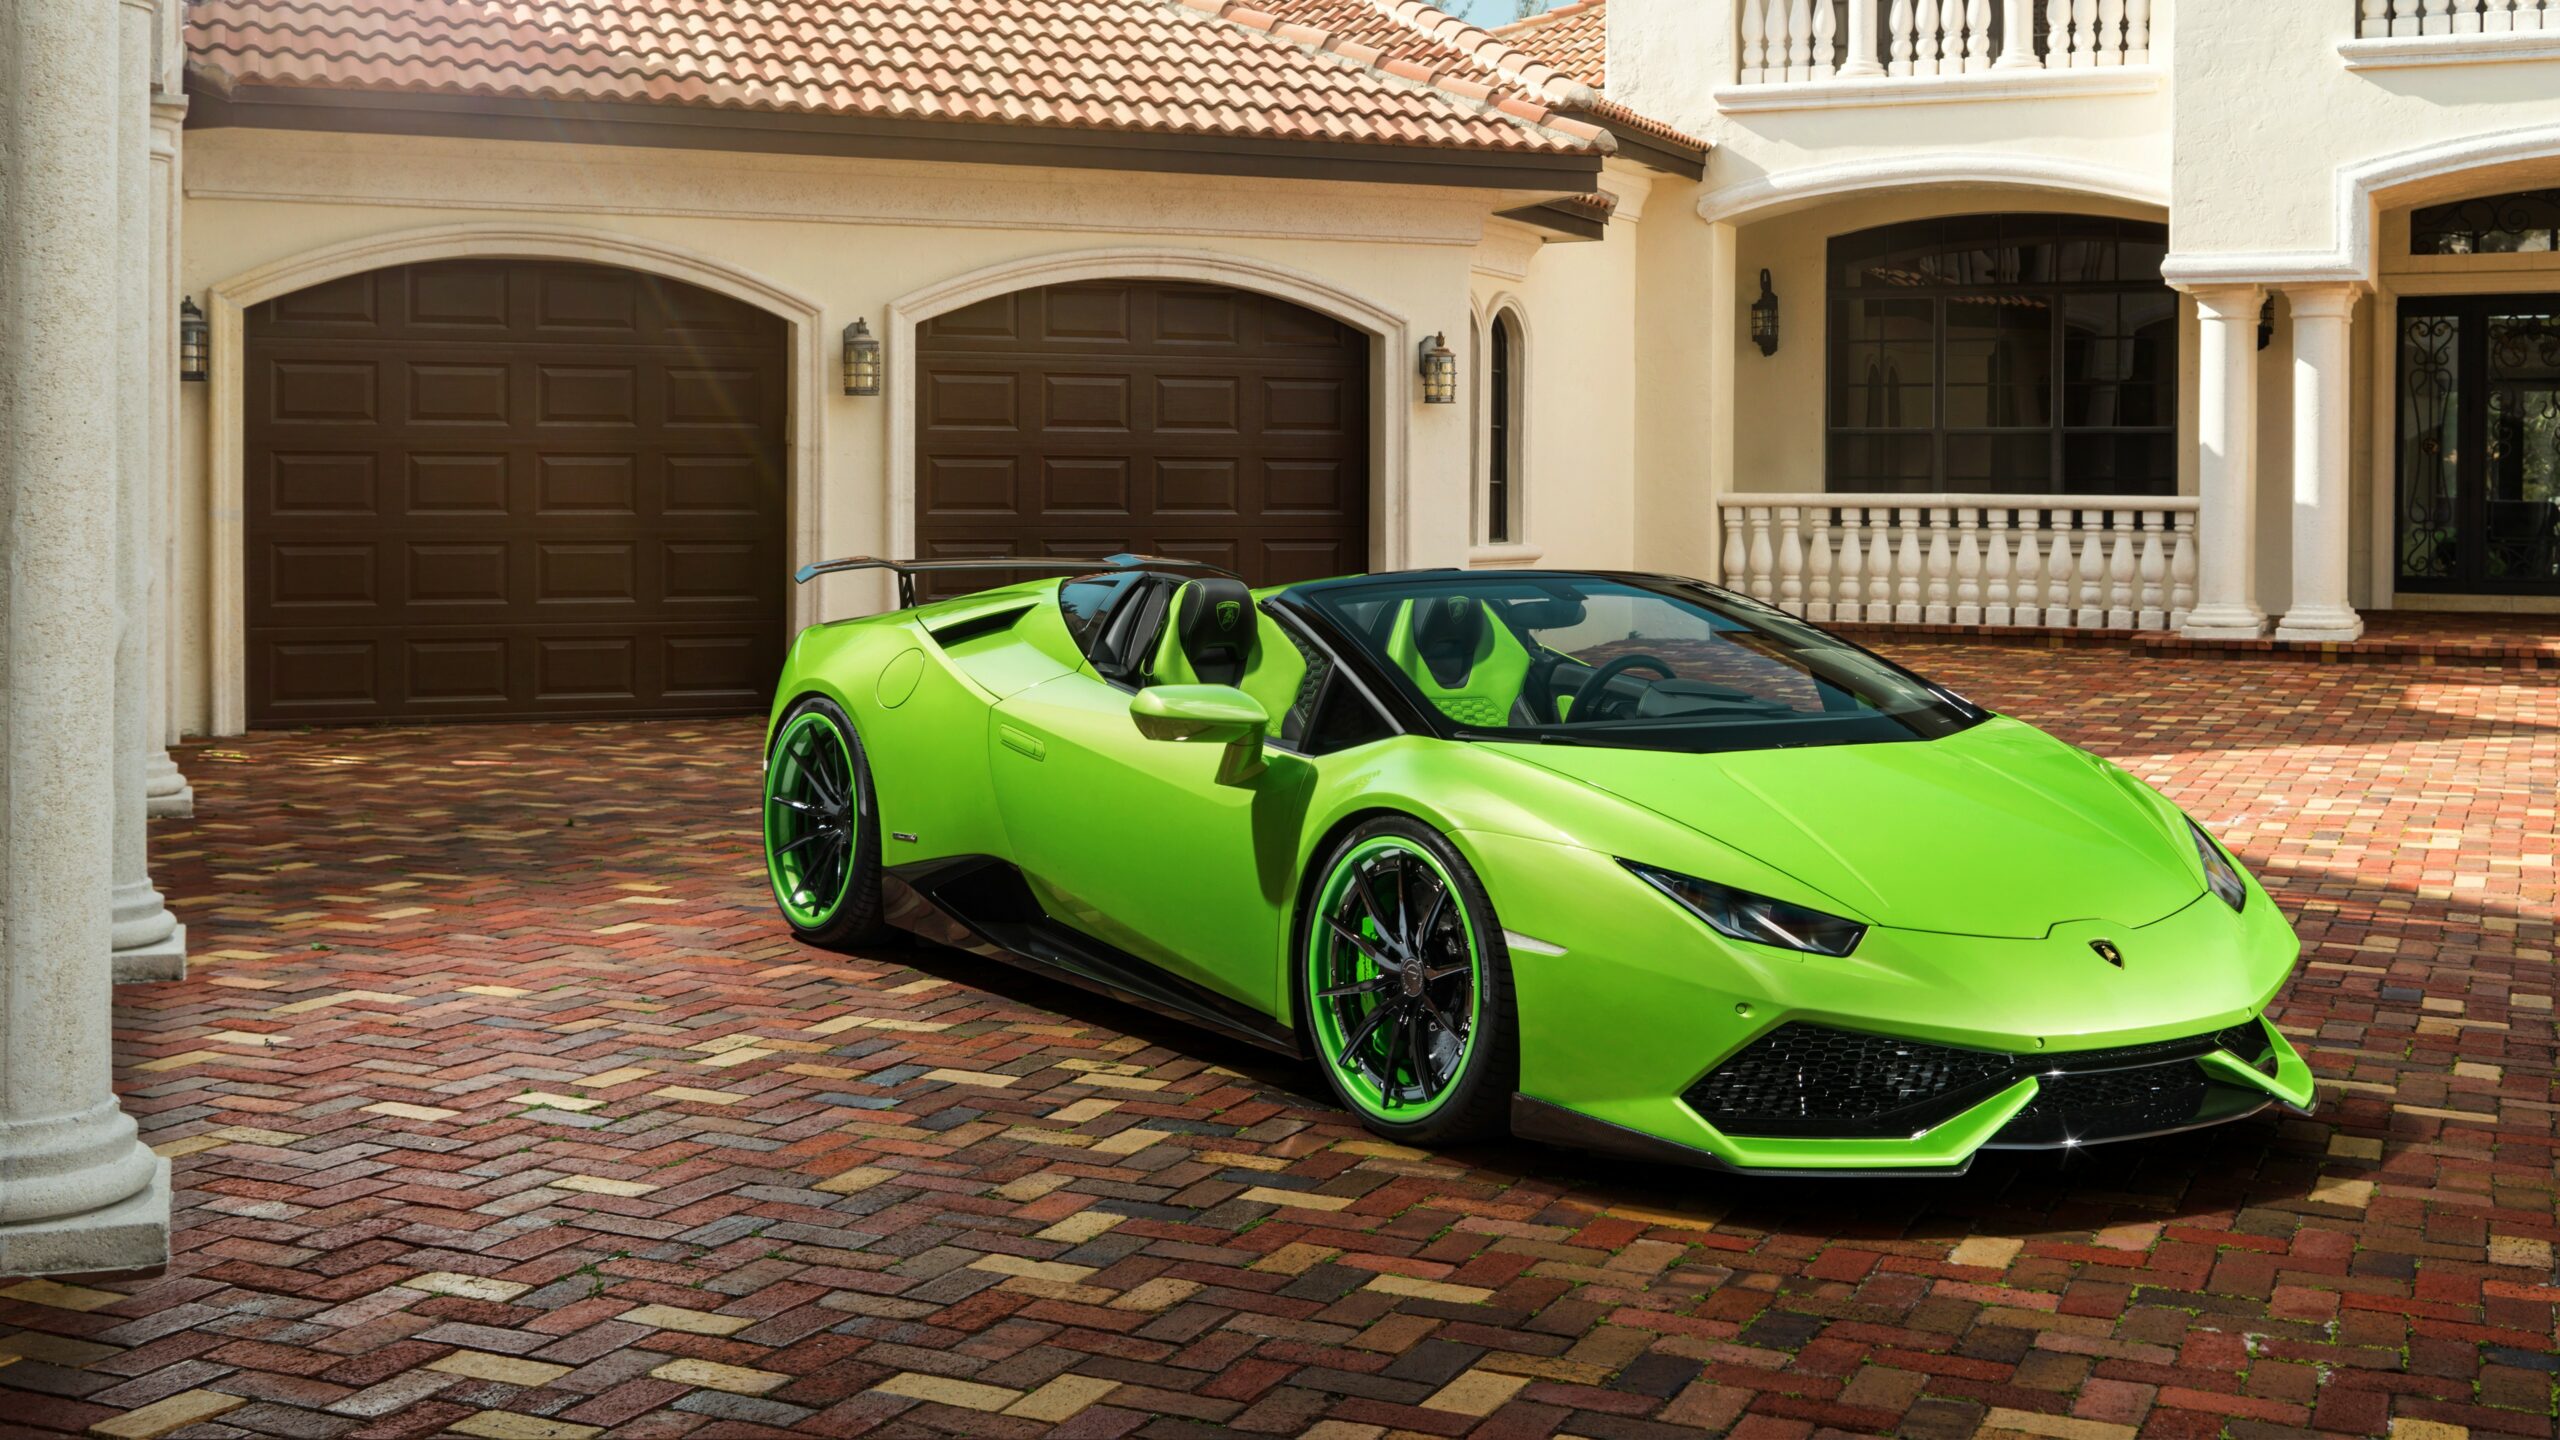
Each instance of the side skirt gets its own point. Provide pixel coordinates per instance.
(982, 905)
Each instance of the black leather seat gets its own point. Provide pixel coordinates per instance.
(1214, 624)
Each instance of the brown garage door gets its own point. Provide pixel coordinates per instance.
(1176, 419)
(484, 489)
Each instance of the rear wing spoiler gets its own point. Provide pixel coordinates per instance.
(907, 570)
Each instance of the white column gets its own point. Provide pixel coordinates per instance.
(78, 1190)
(2321, 397)
(2227, 465)
(149, 942)
(164, 786)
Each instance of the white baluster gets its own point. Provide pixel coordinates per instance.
(1862, 63)
(2057, 38)
(2155, 570)
(2137, 32)
(1977, 35)
(1942, 570)
(2058, 571)
(2091, 614)
(1791, 559)
(1951, 37)
(2017, 35)
(2466, 16)
(2182, 568)
(1817, 566)
(1764, 561)
(1898, 30)
(2500, 16)
(2030, 584)
(1800, 39)
(1851, 590)
(1908, 567)
(2404, 17)
(2537, 15)
(1996, 609)
(2120, 572)
(2084, 34)
(1826, 39)
(1737, 555)
(2434, 17)
(1968, 567)
(1879, 565)
(2375, 20)
(1926, 40)
(2110, 32)
(1755, 42)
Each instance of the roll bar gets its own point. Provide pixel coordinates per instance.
(907, 570)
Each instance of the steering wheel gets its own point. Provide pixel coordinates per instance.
(1593, 688)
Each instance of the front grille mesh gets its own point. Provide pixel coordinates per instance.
(1804, 1080)
(1809, 1080)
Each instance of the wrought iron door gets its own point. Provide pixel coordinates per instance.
(2479, 445)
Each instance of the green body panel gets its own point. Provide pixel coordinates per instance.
(1984, 862)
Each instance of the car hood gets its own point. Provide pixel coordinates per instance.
(1997, 830)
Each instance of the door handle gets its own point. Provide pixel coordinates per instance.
(1017, 740)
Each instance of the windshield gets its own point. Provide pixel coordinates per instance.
(1653, 664)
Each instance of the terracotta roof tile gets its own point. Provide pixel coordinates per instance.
(1514, 57)
(1201, 67)
(1574, 38)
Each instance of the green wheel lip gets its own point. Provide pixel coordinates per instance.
(781, 871)
(1366, 1095)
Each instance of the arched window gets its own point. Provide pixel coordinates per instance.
(2017, 354)
(1503, 396)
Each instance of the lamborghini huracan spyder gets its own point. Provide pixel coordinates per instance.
(1622, 861)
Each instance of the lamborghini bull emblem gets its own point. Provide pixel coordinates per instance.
(2108, 952)
(1228, 611)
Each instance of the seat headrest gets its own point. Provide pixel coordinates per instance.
(1447, 632)
(1216, 628)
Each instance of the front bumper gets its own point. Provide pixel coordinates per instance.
(1630, 1008)
(2056, 1103)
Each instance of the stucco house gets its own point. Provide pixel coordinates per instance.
(423, 360)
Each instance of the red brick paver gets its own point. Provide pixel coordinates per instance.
(501, 1106)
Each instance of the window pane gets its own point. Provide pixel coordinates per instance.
(1999, 359)
(1892, 463)
(2120, 464)
(1883, 360)
(2001, 464)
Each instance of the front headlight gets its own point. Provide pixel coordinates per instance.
(2219, 872)
(1741, 915)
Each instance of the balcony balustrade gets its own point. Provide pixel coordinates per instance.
(2114, 562)
(1809, 41)
(2385, 19)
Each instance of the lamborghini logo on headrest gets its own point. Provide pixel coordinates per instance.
(1228, 611)
(2108, 952)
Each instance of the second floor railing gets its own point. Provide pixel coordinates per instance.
(2382, 19)
(2118, 562)
(1799, 41)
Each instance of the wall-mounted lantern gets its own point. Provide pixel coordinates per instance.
(861, 359)
(2267, 323)
(1764, 317)
(195, 341)
(1439, 372)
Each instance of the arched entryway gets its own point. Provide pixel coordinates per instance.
(1175, 417)
(511, 488)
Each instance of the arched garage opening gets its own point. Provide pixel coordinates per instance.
(1175, 417)
(511, 488)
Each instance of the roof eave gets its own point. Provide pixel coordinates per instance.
(220, 104)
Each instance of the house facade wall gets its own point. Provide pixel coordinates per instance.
(823, 241)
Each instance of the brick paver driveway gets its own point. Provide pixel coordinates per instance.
(502, 1106)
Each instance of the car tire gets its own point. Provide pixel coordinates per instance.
(1428, 1084)
(822, 830)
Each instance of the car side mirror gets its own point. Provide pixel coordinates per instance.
(1207, 714)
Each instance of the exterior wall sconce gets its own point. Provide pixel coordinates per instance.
(2267, 323)
(1764, 317)
(195, 341)
(1439, 371)
(861, 359)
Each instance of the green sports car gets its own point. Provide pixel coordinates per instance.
(1619, 861)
